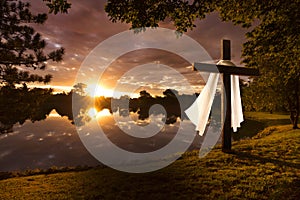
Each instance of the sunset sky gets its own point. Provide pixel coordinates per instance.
(87, 25)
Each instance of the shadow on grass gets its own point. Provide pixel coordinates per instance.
(263, 160)
(277, 122)
(112, 184)
(289, 191)
(250, 127)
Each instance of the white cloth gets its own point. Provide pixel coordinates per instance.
(236, 104)
(199, 111)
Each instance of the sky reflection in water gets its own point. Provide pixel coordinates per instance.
(55, 141)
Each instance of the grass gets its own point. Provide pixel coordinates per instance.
(258, 121)
(264, 167)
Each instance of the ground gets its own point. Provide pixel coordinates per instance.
(265, 166)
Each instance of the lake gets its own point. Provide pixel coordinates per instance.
(56, 142)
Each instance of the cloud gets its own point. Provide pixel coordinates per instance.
(87, 25)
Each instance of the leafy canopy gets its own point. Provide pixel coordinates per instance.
(273, 44)
(21, 45)
(58, 6)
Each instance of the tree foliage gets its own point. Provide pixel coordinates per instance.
(20, 104)
(273, 47)
(149, 13)
(79, 89)
(21, 45)
(273, 44)
(58, 6)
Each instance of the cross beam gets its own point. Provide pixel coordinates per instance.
(226, 70)
(233, 70)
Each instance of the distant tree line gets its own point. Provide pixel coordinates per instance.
(20, 104)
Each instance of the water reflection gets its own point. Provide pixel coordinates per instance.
(118, 128)
(37, 128)
(19, 105)
(43, 144)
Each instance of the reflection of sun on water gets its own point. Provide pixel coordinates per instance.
(54, 113)
(103, 113)
(93, 113)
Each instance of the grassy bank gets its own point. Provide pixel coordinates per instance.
(264, 167)
(258, 121)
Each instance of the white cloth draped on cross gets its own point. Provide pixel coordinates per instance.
(199, 111)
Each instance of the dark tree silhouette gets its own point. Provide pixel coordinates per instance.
(79, 89)
(21, 45)
(272, 46)
(58, 6)
(20, 104)
(170, 93)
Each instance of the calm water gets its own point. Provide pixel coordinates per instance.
(55, 141)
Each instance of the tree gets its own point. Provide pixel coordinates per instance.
(170, 93)
(20, 104)
(272, 46)
(58, 6)
(145, 95)
(21, 46)
(79, 89)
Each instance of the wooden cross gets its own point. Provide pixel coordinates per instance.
(226, 68)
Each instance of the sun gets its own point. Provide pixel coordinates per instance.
(96, 90)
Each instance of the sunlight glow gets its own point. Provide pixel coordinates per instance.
(93, 113)
(54, 113)
(103, 113)
(95, 90)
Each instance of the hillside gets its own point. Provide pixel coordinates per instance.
(264, 167)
